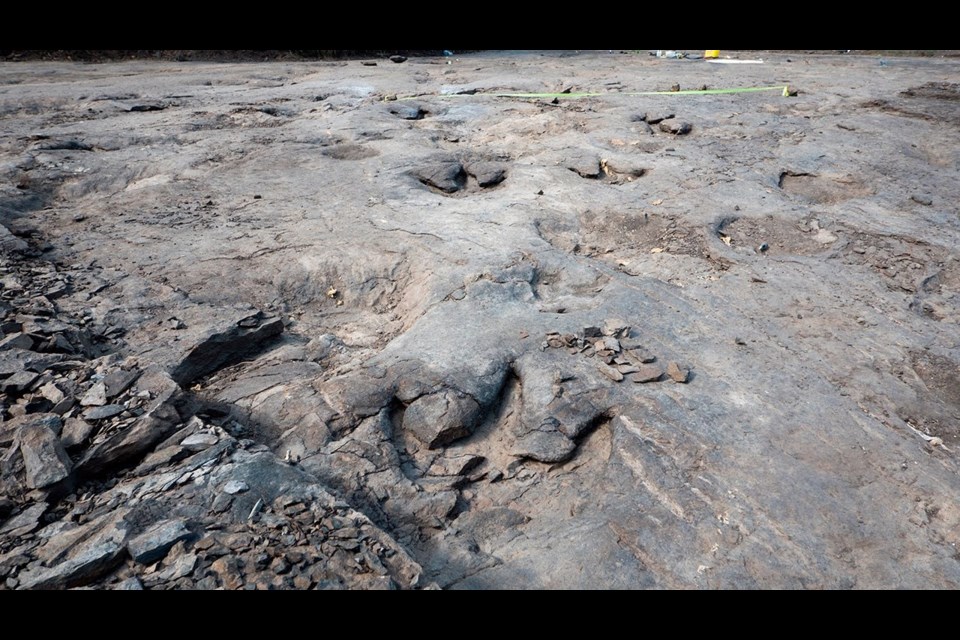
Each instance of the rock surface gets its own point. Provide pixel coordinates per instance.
(338, 342)
(154, 543)
(45, 460)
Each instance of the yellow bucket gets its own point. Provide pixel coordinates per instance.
(711, 53)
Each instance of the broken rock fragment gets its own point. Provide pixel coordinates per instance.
(454, 465)
(10, 243)
(96, 396)
(222, 345)
(104, 412)
(676, 127)
(545, 444)
(90, 561)
(585, 165)
(199, 441)
(233, 487)
(154, 543)
(75, 432)
(132, 442)
(116, 382)
(647, 373)
(439, 418)
(25, 521)
(445, 176)
(677, 373)
(52, 392)
(610, 372)
(148, 106)
(616, 328)
(487, 174)
(407, 111)
(130, 584)
(657, 118)
(17, 341)
(18, 382)
(77, 556)
(44, 457)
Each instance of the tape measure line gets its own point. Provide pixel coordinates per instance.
(784, 89)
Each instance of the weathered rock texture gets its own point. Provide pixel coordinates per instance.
(275, 326)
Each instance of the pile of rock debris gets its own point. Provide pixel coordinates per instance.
(113, 476)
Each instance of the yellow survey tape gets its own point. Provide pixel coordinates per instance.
(784, 89)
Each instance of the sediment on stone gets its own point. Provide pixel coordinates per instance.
(371, 326)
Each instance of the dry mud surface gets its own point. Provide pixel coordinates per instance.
(267, 326)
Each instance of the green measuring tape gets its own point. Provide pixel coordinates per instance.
(785, 89)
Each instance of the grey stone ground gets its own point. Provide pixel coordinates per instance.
(267, 327)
